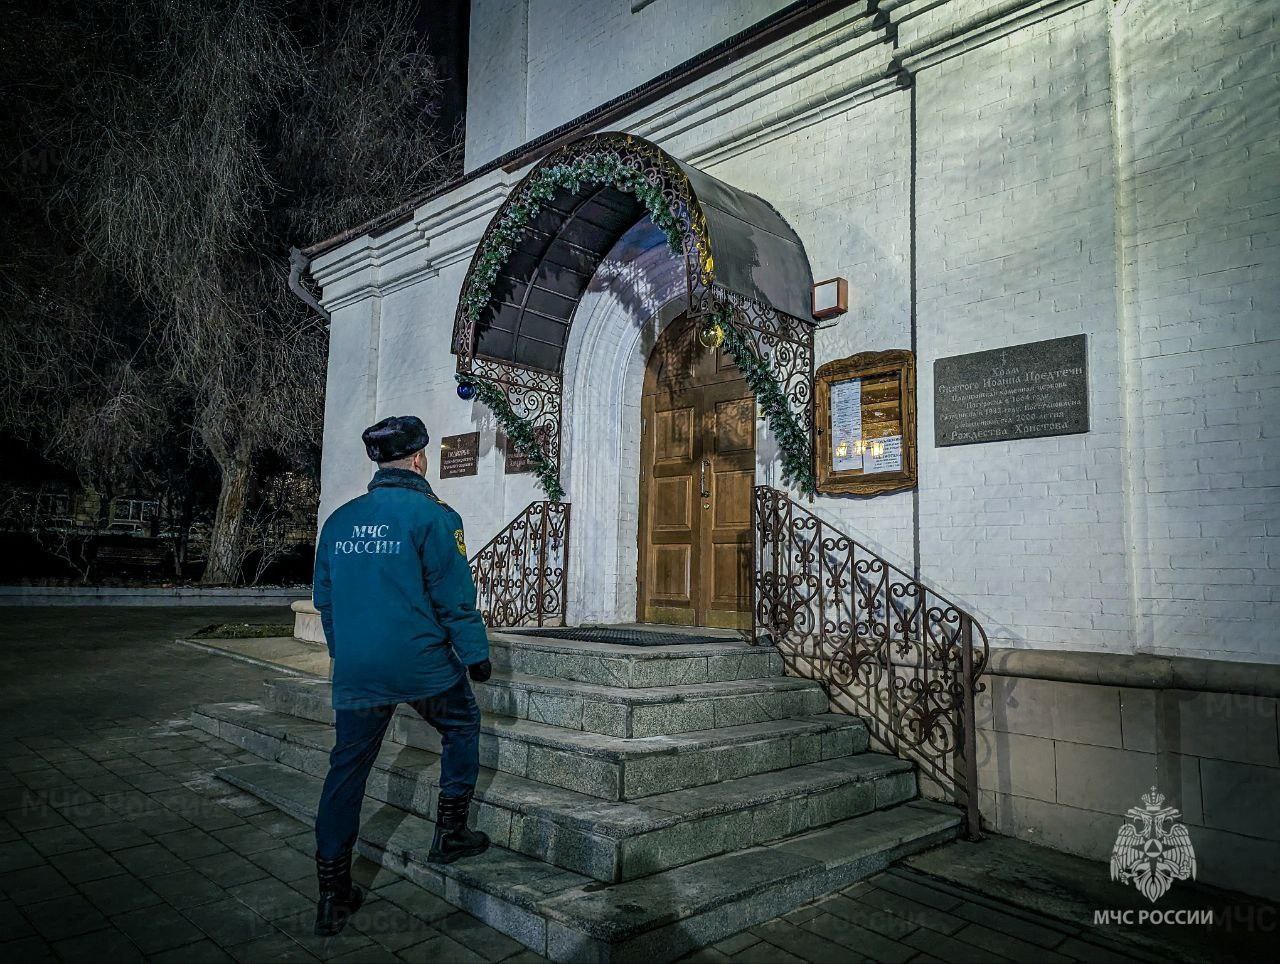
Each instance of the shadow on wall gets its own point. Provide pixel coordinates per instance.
(1196, 162)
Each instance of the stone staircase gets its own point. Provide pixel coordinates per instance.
(643, 801)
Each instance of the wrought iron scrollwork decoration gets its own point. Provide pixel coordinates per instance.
(535, 396)
(885, 646)
(521, 575)
(784, 342)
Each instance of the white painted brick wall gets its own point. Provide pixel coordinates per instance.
(852, 208)
(1200, 192)
(417, 378)
(347, 404)
(1016, 239)
(1037, 196)
(580, 54)
(497, 67)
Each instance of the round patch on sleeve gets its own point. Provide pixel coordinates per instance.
(462, 543)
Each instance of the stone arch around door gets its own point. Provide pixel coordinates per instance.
(638, 291)
(543, 247)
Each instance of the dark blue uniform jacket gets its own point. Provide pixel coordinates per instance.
(395, 595)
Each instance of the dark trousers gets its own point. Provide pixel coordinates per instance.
(359, 737)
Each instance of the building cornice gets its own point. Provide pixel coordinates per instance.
(374, 266)
(794, 17)
(453, 218)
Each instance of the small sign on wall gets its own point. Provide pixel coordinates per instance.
(1024, 391)
(516, 461)
(459, 455)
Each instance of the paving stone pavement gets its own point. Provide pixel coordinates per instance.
(117, 844)
(120, 846)
(899, 916)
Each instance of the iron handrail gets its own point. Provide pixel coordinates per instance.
(886, 646)
(521, 574)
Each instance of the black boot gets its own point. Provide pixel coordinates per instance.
(454, 839)
(339, 897)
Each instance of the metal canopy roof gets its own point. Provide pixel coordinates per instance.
(757, 254)
(527, 319)
(526, 322)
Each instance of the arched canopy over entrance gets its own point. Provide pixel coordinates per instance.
(546, 241)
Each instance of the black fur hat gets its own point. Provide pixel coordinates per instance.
(394, 438)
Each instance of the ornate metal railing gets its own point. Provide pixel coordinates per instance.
(884, 645)
(521, 575)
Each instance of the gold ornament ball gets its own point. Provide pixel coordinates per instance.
(712, 336)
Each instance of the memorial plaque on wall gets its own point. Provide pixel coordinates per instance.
(516, 461)
(459, 455)
(1023, 391)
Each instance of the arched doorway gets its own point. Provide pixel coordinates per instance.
(697, 445)
(554, 321)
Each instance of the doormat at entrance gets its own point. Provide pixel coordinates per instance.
(623, 637)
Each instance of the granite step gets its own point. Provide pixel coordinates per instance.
(609, 767)
(570, 917)
(630, 712)
(605, 840)
(610, 664)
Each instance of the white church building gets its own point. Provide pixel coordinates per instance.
(1007, 280)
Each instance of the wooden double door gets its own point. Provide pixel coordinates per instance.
(697, 472)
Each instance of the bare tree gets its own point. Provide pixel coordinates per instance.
(285, 508)
(75, 381)
(201, 138)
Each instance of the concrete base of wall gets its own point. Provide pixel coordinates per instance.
(1067, 742)
(306, 622)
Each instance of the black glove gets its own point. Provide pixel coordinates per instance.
(480, 671)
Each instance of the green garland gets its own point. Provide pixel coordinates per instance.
(793, 440)
(500, 243)
(498, 246)
(519, 432)
(537, 192)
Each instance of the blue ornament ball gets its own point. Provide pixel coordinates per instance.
(466, 392)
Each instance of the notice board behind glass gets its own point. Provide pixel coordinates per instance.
(866, 423)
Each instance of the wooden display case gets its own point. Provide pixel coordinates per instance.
(865, 407)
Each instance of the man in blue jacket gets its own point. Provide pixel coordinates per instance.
(398, 605)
